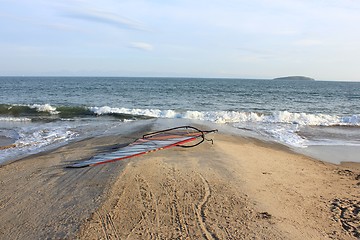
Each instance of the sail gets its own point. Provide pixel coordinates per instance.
(179, 136)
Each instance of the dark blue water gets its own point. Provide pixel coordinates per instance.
(341, 98)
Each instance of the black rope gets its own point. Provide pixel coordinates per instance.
(203, 132)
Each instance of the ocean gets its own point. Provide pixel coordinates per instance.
(42, 113)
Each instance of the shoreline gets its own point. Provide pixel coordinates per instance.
(236, 188)
(328, 153)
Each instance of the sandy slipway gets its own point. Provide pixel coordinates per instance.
(237, 188)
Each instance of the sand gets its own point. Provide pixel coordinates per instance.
(236, 188)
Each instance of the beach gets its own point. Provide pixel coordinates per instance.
(235, 188)
(179, 120)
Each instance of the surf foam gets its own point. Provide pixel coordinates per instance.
(44, 108)
(237, 116)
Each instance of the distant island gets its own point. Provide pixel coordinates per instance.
(295, 78)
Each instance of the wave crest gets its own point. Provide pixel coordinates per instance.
(239, 117)
(26, 112)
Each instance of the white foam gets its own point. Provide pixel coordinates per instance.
(224, 116)
(282, 126)
(38, 138)
(284, 133)
(15, 119)
(236, 116)
(305, 119)
(44, 108)
(135, 111)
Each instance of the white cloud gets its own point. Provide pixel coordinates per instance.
(142, 46)
(106, 18)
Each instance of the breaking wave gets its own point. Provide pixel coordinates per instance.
(46, 111)
(239, 117)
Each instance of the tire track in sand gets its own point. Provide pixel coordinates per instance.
(149, 212)
(107, 225)
(103, 226)
(200, 209)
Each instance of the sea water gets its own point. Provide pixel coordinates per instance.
(40, 113)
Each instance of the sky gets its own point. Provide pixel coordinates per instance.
(181, 38)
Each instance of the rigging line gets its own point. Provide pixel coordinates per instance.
(149, 135)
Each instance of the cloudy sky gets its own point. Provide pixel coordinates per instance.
(204, 38)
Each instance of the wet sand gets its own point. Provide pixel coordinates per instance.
(237, 188)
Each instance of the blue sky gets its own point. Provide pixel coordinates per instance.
(212, 38)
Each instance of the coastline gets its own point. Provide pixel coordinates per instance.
(237, 188)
